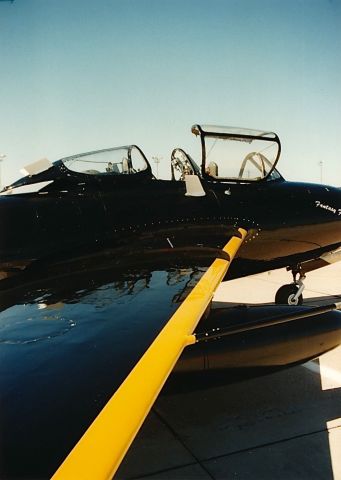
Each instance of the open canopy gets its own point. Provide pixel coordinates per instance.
(238, 154)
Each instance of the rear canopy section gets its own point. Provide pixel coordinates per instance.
(236, 154)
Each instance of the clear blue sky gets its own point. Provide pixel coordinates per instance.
(79, 75)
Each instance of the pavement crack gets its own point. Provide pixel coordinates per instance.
(268, 444)
(180, 440)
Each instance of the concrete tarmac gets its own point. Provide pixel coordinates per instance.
(286, 425)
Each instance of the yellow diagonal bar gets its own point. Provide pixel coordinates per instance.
(100, 451)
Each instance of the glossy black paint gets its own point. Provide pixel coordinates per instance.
(285, 220)
(106, 259)
(274, 346)
(72, 331)
(68, 338)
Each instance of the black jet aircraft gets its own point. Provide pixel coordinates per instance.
(97, 255)
(111, 198)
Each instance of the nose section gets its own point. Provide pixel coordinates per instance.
(329, 200)
(327, 207)
(338, 199)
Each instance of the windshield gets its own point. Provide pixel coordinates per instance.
(182, 164)
(111, 161)
(238, 154)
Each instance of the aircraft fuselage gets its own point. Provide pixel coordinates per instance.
(287, 222)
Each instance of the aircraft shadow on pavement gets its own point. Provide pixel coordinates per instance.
(271, 427)
(274, 426)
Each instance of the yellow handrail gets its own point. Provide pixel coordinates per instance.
(101, 449)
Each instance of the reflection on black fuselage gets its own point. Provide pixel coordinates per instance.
(66, 343)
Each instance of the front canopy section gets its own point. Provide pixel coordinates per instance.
(86, 167)
(238, 155)
(112, 161)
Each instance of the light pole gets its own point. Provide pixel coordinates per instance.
(321, 170)
(2, 158)
(157, 161)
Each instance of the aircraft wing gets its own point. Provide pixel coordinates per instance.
(63, 354)
(101, 449)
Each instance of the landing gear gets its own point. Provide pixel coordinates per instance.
(287, 295)
(291, 294)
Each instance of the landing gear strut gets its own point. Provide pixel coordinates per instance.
(291, 294)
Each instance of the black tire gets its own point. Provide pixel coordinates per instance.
(285, 293)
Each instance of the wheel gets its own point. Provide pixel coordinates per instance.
(285, 295)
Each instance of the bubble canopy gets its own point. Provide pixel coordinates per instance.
(238, 154)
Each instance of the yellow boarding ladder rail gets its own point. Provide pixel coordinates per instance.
(101, 449)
